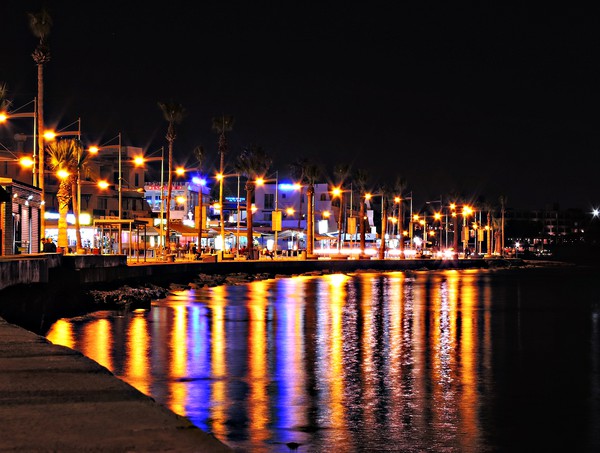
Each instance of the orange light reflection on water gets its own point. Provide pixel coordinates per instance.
(98, 342)
(178, 348)
(258, 373)
(468, 352)
(216, 304)
(424, 338)
(291, 349)
(137, 365)
(62, 333)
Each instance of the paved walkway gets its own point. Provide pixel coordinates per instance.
(55, 399)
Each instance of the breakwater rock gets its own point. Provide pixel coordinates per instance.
(126, 297)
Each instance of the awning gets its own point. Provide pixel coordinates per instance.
(243, 233)
(188, 231)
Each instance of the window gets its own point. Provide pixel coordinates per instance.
(269, 201)
(323, 197)
(268, 216)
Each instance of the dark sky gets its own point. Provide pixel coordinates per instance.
(484, 101)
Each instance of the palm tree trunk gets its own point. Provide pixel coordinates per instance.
(75, 203)
(63, 198)
(489, 234)
(310, 216)
(222, 206)
(300, 208)
(361, 215)
(383, 229)
(456, 235)
(169, 195)
(249, 232)
(401, 229)
(200, 219)
(340, 226)
(42, 160)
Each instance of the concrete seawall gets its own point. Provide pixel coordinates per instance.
(186, 271)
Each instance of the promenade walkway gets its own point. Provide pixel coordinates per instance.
(55, 399)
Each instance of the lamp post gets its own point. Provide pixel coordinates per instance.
(50, 135)
(139, 161)
(94, 150)
(466, 211)
(368, 196)
(220, 177)
(36, 180)
(237, 236)
(5, 116)
(276, 214)
(338, 192)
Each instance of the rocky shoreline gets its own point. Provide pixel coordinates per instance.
(128, 297)
(37, 306)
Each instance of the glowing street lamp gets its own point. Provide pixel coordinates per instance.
(139, 161)
(466, 211)
(6, 116)
(51, 135)
(339, 192)
(275, 215)
(94, 150)
(368, 196)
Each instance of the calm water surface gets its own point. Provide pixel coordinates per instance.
(443, 361)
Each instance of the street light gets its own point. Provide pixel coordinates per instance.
(5, 116)
(466, 211)
(339, 192)
(368, 196)
(37, 180)
(275, 215)
(50, 135)
(139, 162)
(93, 150)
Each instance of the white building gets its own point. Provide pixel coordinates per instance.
(291, 200)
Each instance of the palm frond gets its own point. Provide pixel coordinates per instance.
(40, 24)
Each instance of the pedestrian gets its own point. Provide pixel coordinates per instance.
(49, 246)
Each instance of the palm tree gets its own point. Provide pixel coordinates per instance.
(80, 164)
(307, 172)
(341, 172)
(311, 173)
(488, 208)
(222, 124)
(503, 220)
(40, 24)
(173, 114)
(5, 103)
(385, 193)
(297, 169)
(253, 162)
(62, 156)
(454, 197)
(400, 185)
(361, 179)
(200, 155)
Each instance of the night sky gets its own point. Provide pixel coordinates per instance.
(481, 101)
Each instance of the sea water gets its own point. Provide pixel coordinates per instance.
(444, 361)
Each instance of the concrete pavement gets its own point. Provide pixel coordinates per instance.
(53, 398)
